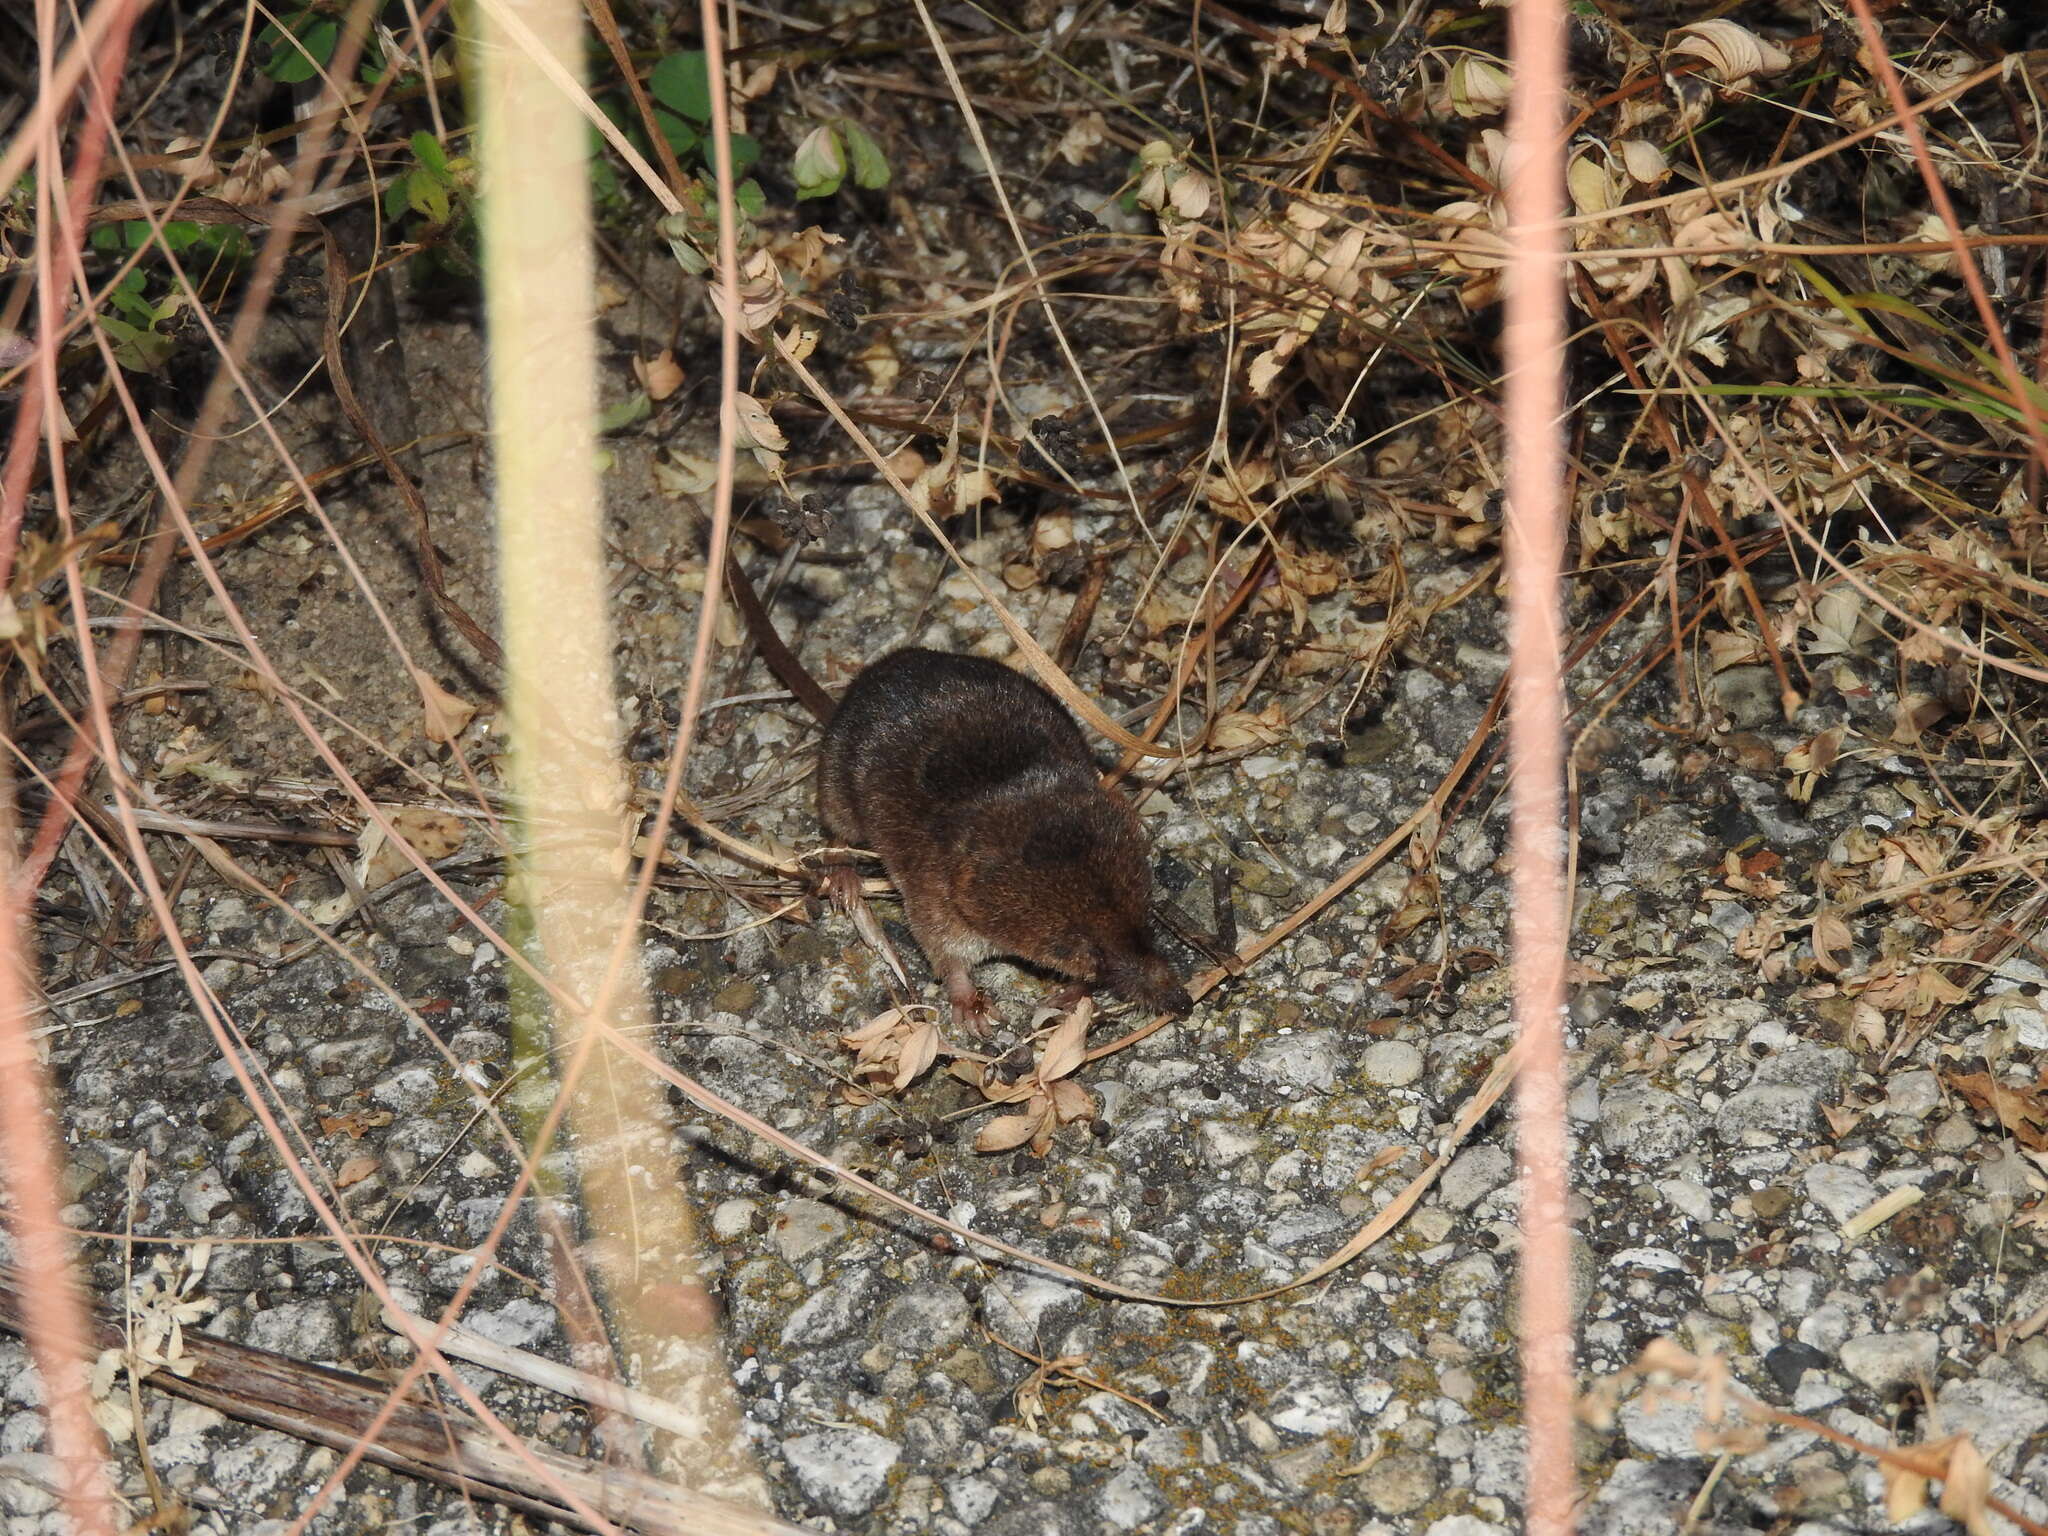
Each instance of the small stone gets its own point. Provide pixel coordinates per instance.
(842, 1470)
(1401, 1483)
(1664, 1421)
(1750, 697)
(1474, 1174)
(1129, 1499)
(1305, 1466)
(1957, 1133)
(733, 1219)
(1646, 1124)
(803, 1227)
(203, 1193)
(1884, 1361)
(1688, 1197)
(737, 997)
(1840, 1191)
(1304, 1059)
(832, 1313)
(924, 1320)
(407, 1091)
(1466, 1525)
(1500, 1461)
(1640, 1497)
(1771, 1202)
(1312, 1405)
(1391, 1063)
(971, 1369)
(971, 1498)
(1913, 1094)
(1170, 1446)
(305, 1330)
(1024, 1309)
(1789, 1363)
(1825, 1327)
(1766, 1113)
(1997, 1414)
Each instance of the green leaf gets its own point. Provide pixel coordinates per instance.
(681, 83)
(106, 238)
(397, 195)
(291, 62)
(427, 198)
(745, 151)
(819, 165)
(127, 298)
(682, 138)
(635, 407)
(870, 165)
(750, 198)
(136, 348)
(181, 235)
(427, 150)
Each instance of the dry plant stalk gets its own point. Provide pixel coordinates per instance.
(1533, 341)
(564, 722)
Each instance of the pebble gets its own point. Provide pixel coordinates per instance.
(305, 1330)
(1474, 1174)
(1129, 1499)
(1023, 1309)
(1765, 1114)
(203, 1193)
(1302, 1059)
(1401, 1483)
(1884, 1361)
(1646, 1124)
(1664, 1421)
(1915, 1095)
(842, 1470)
(804, 1227)
(1841, 1192)
(925, 1320)
(1391, 1063)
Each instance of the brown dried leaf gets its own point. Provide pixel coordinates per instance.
(2022, 1111)
(661, 376)
(917, 1052)
(1831, 938)
(1067, 1046)
(446, 715)
(1966, 1488)
(1732, 52)
(1007, 1132)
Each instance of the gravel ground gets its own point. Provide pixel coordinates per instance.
(1727, 1128)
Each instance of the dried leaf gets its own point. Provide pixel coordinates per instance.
(753, 427)
(1243, 728)
(1905, 1492)
(1067, 1046)
(682, 474)
(1479, 86)
(1646, 163)
(446, 715)
(660, 376)
(1966, 1486)
(1733, 53)
(1831, 940)
(2022, 1111)
(1006, 1132)
(919, 1051)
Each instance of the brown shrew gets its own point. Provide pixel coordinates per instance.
(978, 792)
